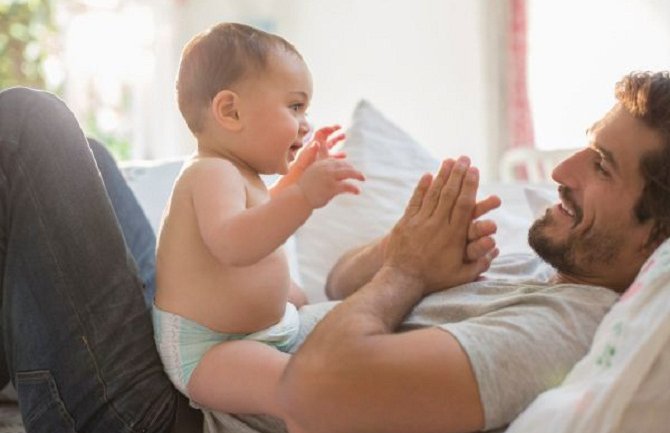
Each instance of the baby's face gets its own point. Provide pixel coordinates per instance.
(273, 108)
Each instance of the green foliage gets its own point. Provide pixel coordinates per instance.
(26, 30)
(28, 35)
(118, 145)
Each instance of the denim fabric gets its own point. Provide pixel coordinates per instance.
(77, 330)
(137, 231)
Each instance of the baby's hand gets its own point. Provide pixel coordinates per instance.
(320, 142)
(326, 178)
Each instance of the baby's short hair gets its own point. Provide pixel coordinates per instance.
(217, 58)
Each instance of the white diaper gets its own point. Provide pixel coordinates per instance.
(182, 342)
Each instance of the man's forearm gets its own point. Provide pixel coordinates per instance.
(377, 308)
(337, 351)
(355, 269)
(387, 382)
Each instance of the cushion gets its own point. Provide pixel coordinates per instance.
(392, 163)
(151, 182)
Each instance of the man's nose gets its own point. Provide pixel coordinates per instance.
(568, 171)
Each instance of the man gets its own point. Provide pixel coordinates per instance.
(85, 361)
(614, 211)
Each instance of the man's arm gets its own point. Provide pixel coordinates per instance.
(352, 374)
(357, 267)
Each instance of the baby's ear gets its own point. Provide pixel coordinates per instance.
(224, 109)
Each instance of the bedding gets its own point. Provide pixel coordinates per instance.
(621, 385)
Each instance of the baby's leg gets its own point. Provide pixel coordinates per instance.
(239, 377)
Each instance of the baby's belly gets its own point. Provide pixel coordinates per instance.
(229, 299)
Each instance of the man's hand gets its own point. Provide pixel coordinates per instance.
(430, 242)
(480, 232)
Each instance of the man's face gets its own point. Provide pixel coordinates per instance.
(592, 235)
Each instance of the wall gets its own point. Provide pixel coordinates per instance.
(422, 63)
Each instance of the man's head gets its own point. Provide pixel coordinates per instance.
(219, 58)
(615, 194)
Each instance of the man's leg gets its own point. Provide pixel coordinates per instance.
(77, 331)
(135, 226)
(141, 242)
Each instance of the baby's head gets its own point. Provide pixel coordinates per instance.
(249, 85)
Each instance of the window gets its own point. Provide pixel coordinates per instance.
(578, 50)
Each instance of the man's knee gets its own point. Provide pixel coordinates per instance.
(19, 98)
(23, 109)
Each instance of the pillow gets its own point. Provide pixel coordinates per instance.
(621, 385)
(392, 163)
(151, 182)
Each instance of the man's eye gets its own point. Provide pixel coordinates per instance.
(600, 167)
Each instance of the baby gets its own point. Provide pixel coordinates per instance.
(225, 301)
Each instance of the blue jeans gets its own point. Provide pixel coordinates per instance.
(75, 320)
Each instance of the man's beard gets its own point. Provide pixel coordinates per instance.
(579, 252)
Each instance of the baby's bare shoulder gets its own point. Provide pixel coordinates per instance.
(208, 169)
(208, 164)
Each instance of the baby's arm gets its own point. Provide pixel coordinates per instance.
(234, 234)
(241, 236)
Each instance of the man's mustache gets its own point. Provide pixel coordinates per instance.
(566, 195)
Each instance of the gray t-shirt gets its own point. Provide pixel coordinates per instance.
(521, 333)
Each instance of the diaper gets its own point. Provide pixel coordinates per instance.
(182, 342)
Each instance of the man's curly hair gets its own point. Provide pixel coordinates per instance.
(646, 96)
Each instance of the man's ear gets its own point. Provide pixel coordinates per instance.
(224, 109)
(654, 241)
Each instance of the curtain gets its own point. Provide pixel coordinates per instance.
(519, 118)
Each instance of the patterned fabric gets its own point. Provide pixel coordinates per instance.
(621, 385)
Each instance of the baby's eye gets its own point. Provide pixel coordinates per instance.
(296, 107)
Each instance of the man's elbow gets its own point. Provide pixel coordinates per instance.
(332, 292)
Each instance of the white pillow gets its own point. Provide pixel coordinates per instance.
(151, 182)
(392, 163)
